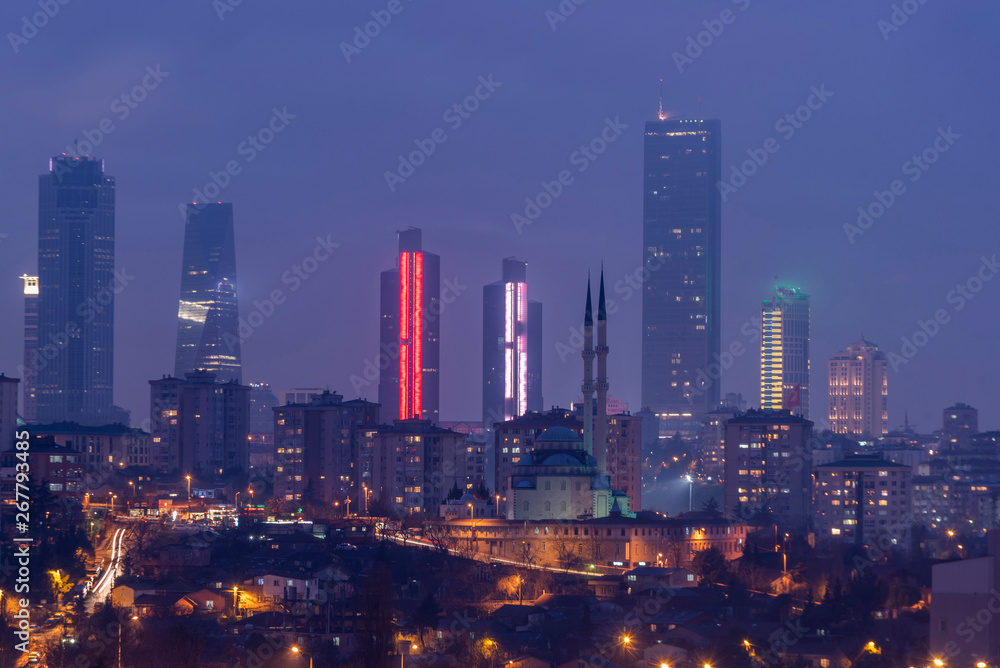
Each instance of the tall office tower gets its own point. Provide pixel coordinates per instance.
(318, 445)
(512, 347)
(77, 285)
(29, 374)
(858, 391)
(768, 467)
(8, 411)
(208, 315)
(410, 332)
(681, 227)
(198, 425)
(784, 351)
(958, 425)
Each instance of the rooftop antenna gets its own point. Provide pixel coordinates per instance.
(699, 108)
(663, 116)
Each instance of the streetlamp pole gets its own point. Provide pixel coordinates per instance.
(189, 487)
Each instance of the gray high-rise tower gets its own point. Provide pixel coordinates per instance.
(512, 347)
(681, 250)
(208, 315)
(76, 286)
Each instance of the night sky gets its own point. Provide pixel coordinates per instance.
(323, 174)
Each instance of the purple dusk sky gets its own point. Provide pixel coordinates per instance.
(895, 90)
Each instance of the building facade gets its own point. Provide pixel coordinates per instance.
(784, 351)
(76, 292)
(767, 462)
(104, 449)
(959, 423)
(58, 468)
(681, 230)
(8, 411)
(711, 455)
(260, 425)
(415, 464)
(609, 544)
(859, 391)
(199, 425)
(409, 332)
(512, 346)
(318, 447)
(863, 499)
(208, 336)
(29, 373)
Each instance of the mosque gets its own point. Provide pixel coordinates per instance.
(562, 478)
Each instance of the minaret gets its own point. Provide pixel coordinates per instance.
(588, 376)
(601, 429)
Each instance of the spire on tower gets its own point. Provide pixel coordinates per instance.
(588, 318)
(662, 115)
(601, 311)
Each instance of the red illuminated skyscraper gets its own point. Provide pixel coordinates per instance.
(409, 352)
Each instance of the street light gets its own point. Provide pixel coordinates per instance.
(498, 505)
(132, 485)
(299, 651)
(472, 512)
(690, 492)
(189, 486)
(237, 502)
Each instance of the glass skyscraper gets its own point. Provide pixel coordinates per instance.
(76, 292)
(784, 351)
(512, 347)
(409, 333)
(682, 254)
(208, 315)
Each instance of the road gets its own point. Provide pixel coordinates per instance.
(102, 587)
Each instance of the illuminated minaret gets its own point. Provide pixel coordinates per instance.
(588, 376)
(601, 444)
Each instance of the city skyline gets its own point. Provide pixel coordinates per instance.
(812, 169)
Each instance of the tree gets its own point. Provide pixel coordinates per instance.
(454, 494)
(711, 506)
(710, 565)
(426, 615)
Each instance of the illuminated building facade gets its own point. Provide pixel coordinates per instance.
(682, 254)
(410, 333)
(198, 425)
(29, 375)
(958, 425)
(767, 457)
(784, 351)
(208, 314)
(512, 347)
(415, 464)
(858, 391)
(863, 499)
(76, 292)
(317, 446)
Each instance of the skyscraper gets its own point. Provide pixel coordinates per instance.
(208, 314)
(784, 351)
(681, 226)
(410, 332)
(29, 374)
(77, 286)
(512, 347)
(858, 391)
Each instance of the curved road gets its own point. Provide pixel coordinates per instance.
(102, 587)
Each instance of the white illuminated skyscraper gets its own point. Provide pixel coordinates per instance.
(858, 391)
